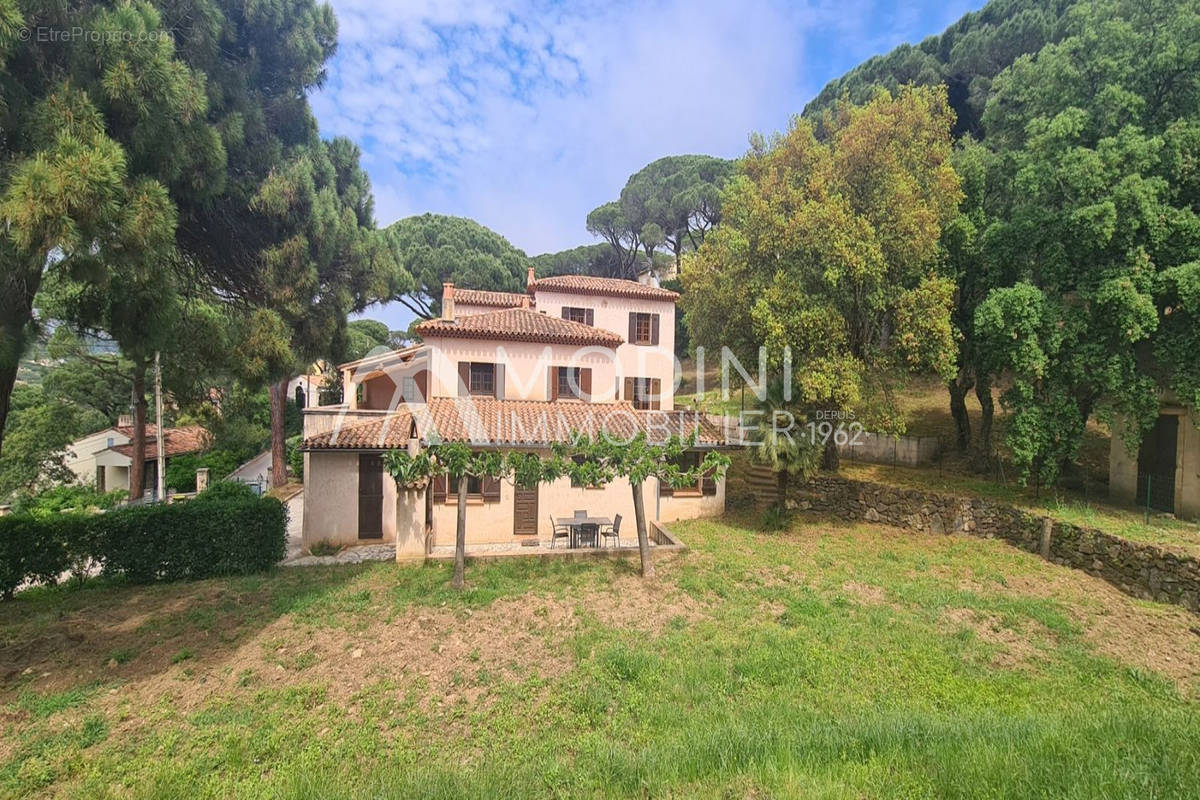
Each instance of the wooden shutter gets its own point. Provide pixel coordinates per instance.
(628, 390)
(566, 312)
(552, 379)
(655, 391)
(589, 316)
(464, 378)
(490, 488)
(585, 383)
(654, 329)
(498, 381)
(439, 489)
(632, 327)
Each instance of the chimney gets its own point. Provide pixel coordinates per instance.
(125, 421)
(529, 279)
(448, 302)
(524, 301)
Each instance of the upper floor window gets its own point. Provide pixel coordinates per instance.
(481, 379)
(643, 328)
(644, 393)
(568, 382)
(584, 316)
(408, 389)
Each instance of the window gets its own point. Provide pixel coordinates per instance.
(483, 379)
(584, 316)
(408, 390)
(644, 393)
(643, 328)
(110, 442)
(568, 383)
(479, 490)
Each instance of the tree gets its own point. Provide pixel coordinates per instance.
(364, 335)
(680, 195)
(433, 249)
(611, 224)
(40, 428)
(597, 461)
(828, 249)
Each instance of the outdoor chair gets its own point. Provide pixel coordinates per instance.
(581, 514)
(613, 531)
(558, 531)
(589, 534)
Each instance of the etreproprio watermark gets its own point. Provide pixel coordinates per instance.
(44, 34)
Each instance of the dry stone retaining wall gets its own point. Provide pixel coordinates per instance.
(1138, 569)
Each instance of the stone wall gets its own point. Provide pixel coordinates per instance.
(1141, 570)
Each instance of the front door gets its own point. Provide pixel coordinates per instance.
(370, 496)
(1156, 464)
(525, 512)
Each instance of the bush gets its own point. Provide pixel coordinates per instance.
(227, 491)
(181, 469)
(223, 532)
(776, 518)
(71, 497)
(295, 458)
(40, 549)
(210, 536)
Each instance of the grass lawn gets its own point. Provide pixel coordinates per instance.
(828, 661)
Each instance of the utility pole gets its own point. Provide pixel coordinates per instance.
(158, 434)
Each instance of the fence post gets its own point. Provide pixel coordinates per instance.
(1047, 530)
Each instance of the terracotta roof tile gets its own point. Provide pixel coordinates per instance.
(614, 287)
(519, 325)
(481, 297)
(384, 433)
(176, 441)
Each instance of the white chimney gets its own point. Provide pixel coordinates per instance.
(448, 302)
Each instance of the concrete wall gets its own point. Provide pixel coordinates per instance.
(880, 448)
(1141, 570)
(411, 542)
(331, 500)
(1123, 465)
(526, 366)
(612, 314)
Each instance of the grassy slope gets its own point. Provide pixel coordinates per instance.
(831, 661)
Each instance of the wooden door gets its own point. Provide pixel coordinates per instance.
(370, 496)
(525, 512)
(1156, 464)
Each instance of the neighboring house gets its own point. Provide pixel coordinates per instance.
(1166, 465)
(509, 371)
(103, 458)
(305, 390)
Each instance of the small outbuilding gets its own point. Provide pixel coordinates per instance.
(1164, 473)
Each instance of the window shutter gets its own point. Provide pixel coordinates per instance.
(552, 373)
(439, 488)
(565, 313)
(464, 378)
(654, 329)
(490, 488)
(655, 391)
(632, 328)
(498, 377)
(590, 316)
(628, 390)
(585, 383)
(664, 488)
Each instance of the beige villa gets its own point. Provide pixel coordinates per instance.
(508, 371)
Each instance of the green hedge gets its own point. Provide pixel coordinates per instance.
(210, 536)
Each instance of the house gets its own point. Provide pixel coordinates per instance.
(103, 458)
(509, 371)
(1164, 473)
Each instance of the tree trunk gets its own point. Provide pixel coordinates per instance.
(278, 444)
(830, 459)
(639, 515)
(137, 464)
(958, 409)
(16, 310)
(983, 391)
(460, 535)
(781, 487)
(8, 377)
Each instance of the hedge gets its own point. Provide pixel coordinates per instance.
(206, 537)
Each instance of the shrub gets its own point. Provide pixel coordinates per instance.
(225, 532)
(210, 536)
(70, 497)
(181, 469)
(324, 548)
(227, 491)
(295, 458)
(776, 518)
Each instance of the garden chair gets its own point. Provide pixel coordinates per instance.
(613, 531)
(558, 531)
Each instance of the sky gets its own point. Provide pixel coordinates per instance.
(524, 114)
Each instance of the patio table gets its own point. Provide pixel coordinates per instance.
(574, 522)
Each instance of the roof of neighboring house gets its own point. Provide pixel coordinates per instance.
(613, 287)
(385, 433)
(176, 441)
(519, 325)
(487, 421)
(374, 361)
(482, 297)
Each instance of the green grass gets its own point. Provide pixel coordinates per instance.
(823, 661)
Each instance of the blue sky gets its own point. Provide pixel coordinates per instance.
(525, 115)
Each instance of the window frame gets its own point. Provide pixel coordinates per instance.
(483, 368)
(576, 314)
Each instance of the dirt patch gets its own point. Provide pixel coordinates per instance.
(1013, 648)
(865, 593)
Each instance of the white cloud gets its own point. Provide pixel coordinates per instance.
(525, 114)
